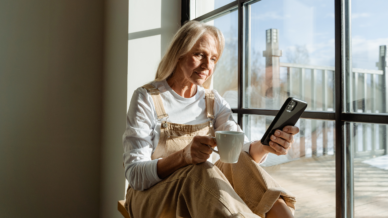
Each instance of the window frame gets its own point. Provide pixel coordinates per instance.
(344, 155)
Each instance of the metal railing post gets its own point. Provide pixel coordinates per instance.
(302, 121)
(355, 110)
(314, 126)
(248, 70)
(373, 110)
(364, 109)
(289, 80)
(383, 66)
(325, 125)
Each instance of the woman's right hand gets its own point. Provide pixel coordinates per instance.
(198, 150)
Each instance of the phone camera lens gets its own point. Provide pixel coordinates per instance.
(291, 106)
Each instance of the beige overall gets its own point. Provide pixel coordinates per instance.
(243, 189)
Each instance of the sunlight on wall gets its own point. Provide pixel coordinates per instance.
(203, 6)
(143, 16)
(143, 59)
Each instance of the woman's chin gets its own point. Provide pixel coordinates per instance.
(199, 82)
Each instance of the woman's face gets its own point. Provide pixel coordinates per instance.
(198, 64)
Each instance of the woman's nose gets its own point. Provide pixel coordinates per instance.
(206, 63)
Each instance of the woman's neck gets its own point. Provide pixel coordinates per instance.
(182, 86)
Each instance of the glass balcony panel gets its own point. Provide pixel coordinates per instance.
(369, 145)
(308, 170)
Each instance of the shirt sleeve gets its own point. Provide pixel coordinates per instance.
(140, 170)
(224, 120)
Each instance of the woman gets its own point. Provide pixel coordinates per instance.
(166, 143)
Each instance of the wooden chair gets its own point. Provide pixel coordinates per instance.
(121, 208)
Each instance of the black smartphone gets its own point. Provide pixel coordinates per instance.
(288, 115)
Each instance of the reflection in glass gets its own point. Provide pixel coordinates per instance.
(366, 85)
(308, 170)
(370, 162)
(205, 6)
(225, 75)
(287, 55)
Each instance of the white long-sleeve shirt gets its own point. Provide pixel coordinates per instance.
(143, 128)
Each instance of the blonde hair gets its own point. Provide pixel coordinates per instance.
(182, 43)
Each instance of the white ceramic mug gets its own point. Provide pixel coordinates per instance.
(229, 144)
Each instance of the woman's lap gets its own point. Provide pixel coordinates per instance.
(193, 191)
(205, 190)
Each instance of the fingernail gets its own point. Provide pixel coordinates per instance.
(287, 128)
(277, 132)
(273, 137)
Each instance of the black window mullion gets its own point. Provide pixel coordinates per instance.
(185, 11)
(218, 12)
(319, 115)
(240, 60)
(341, 53)
(365, 118)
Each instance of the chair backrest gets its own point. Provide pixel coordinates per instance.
(121, 208)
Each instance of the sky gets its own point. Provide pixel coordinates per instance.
(309, 24)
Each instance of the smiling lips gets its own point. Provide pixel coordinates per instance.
(201, 74)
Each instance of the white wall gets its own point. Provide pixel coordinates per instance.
(138, 32)
(150, 30)
(51, 68)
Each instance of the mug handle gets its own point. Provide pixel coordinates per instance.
(211, 147)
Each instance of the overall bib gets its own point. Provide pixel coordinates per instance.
(243, 189)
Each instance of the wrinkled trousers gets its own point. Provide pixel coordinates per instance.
(243, 189)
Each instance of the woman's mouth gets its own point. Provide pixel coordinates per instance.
(201, 74)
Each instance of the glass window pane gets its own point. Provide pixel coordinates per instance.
(290, 52)
(205, 6)
(369, 143)
(366, 85)
(235, 117)
(308, 169)
(225, 75)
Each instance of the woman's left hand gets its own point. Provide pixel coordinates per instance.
(280, 143)
(282, 140)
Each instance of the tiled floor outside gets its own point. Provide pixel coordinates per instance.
(312, 180)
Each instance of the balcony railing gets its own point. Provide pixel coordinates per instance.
(366, 135)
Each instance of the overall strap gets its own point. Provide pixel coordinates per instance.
(209, 96)
(155, 94)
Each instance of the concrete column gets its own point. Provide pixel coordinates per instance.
(272, 56)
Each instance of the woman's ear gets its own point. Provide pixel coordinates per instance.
(178, 62)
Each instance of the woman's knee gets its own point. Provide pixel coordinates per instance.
(202, 166)
(280, 210)
(204, 170)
